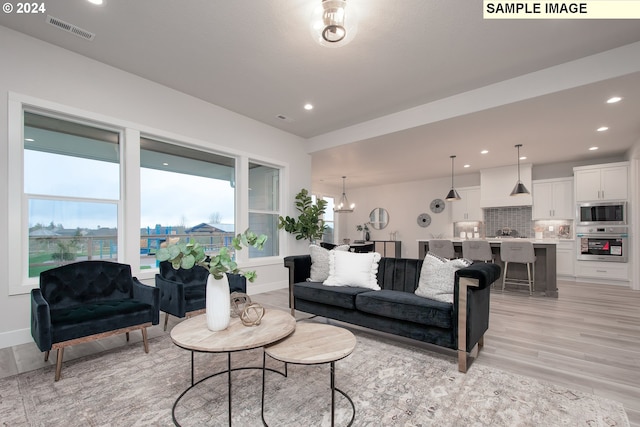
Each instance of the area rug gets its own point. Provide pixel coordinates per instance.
(390, 383)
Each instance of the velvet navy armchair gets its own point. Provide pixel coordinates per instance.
(88, 300)
(183, 292)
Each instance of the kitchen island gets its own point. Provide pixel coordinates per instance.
(545, 266)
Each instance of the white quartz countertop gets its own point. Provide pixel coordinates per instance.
(498, 240)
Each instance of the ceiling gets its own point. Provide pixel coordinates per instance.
(258, 58)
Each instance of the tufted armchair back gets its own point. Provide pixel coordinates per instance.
(192, 276)
(86, 282)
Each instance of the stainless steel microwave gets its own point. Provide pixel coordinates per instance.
(602, 213)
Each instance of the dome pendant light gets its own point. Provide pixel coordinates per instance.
(519, 188)
(344, 206)
(453, 194)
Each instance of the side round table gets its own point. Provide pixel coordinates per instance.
(313, 344)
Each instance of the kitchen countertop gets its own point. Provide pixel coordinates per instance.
(502, 239)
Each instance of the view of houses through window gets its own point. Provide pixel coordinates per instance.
(73, 192)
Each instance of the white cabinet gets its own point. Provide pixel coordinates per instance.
(609, 271)
(601, 182)
(496, 185)
(553, 199)
(565, 258)
(468, 208)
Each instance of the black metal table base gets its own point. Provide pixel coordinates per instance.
(333, 390)
(228, 372)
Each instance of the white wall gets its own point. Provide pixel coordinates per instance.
(36, 69)
(404, 202)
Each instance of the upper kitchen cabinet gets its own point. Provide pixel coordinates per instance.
(496, 185)
(601, 182)
(553, 199)
(467, 209)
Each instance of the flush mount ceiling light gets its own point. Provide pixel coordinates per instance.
(344, 206)
(453, 194)
(332, 25)
(519, 188)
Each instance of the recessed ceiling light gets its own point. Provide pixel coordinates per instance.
(97, 2)
(602, 128)
(593, 148)
(165, 164)
(614, 99)
(29, 139)
(484, 151)
(523, 157)
(466, 166)
(308, 107)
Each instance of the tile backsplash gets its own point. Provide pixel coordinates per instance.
(518, 219)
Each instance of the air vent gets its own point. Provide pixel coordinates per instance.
(70, 28)
(284, 118)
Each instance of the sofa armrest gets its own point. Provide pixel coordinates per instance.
(149, 295)
(40, 321)
(299, 271)
(471, 306)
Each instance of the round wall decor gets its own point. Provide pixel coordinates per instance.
(424, 219)
(437, 205)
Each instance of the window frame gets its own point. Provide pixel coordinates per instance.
(128, 213)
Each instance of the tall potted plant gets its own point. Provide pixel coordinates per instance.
(187, 255)
(310, 223)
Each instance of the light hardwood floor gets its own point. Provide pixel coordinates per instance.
(588, 339)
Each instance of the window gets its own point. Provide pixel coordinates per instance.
(329, 221)
(185, 194)
(264, 206)
(72, 192)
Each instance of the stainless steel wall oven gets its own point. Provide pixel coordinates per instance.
(603, 243)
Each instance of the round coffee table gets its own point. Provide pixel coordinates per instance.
(192, 334)
(312, 344)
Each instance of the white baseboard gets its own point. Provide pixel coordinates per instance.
(17, 337)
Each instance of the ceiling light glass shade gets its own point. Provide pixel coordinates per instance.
(343, 205)
(452, 195)
(519, 188)
(332, 24)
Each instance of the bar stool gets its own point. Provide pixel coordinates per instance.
(442, 248)
(477, 250)
(518, 252)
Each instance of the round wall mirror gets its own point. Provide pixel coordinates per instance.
(379, 218)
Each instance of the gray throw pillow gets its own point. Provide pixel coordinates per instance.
(320, 262)
(437, 277)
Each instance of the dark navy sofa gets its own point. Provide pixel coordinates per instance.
(88, 300)
(396, 309)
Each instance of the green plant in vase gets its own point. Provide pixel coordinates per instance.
(187, 255)
(310, 223)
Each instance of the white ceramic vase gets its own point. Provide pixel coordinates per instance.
(218, 303)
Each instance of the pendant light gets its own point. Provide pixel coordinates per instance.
(344, 206)
(453, 194)
(519, 188)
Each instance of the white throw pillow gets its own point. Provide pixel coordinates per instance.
(437, 277)
(353, 269)
(320, 261)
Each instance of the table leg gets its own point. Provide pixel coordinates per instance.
(229, 383)
(192, 369)
(333, 393)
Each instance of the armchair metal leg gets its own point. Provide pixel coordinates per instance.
(59, 363)
(145, 340)
(127, 334)
(166, 320)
